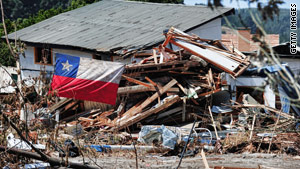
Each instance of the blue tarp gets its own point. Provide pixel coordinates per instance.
(285, 102)
(101, 148)
(286, 87)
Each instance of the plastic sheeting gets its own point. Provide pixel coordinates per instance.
(150, 134)
(221, 109)
(269, 97)
(285, 102)
(6, 83)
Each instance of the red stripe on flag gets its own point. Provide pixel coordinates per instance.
(82, 89)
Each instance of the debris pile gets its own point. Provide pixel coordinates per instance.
(164, 83)
(163, 90)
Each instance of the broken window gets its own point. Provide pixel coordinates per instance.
(43, 56)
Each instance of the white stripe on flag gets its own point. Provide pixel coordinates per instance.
(99, 70)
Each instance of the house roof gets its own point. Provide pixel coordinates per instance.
(111, 24)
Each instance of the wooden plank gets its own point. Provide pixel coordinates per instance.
(146, 60)
(164, 114)
(194, 101)
(210, 79)
(208, 93)
(136, 81)
(230, 62)
(138, 117)
(127, 113)
(153, 65)
(150, 81)
(86, 119)
(60, 104)
(155, 56)
(214, 124)
(182, 88)
(252, 127)
(204, 159)
(184, 109)
(141, 88)
(155, 86)
(153, 97)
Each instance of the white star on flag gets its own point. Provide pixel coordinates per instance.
(66, 66)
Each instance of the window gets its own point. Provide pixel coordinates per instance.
(14, 77)
(43, 56)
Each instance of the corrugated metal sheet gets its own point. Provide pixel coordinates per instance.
(109, 24)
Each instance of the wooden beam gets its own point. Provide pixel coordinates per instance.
(138, 117)
(153, 97)
(141, 88)
(204, 159)
(150, 81)
(136, 81)
(210, 79)
(155, 56)
(157, 87)
(164, 114)
(182, 88)
(184, 109)
(208, 93)
(51, 160)
(127, 114)
(214, 124)
(86, 119)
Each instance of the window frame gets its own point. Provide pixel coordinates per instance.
(36, 56)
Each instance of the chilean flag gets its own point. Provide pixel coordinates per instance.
(86, 79)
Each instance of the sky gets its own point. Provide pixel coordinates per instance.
(242, 3)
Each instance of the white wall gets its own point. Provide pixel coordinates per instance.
(210, 30)
(30, 69)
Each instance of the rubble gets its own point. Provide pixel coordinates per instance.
(161, 93)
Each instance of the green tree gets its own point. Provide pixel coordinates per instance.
(278, 25)
(32, 16)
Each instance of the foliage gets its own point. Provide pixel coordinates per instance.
(15, 9)
(278, 25)
(25, 13)
(267, 10)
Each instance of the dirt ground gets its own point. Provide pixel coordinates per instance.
(267, 161)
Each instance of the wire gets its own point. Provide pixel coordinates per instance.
(182, 153)
(206, 130)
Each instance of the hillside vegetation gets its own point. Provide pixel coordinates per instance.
(279, 25)
(23, 13)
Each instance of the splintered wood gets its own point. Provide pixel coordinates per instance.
(165, 85)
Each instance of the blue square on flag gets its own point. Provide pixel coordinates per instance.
(66, 65)
(84, 78)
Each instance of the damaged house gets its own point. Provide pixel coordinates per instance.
(107, 29)
(172, 86)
